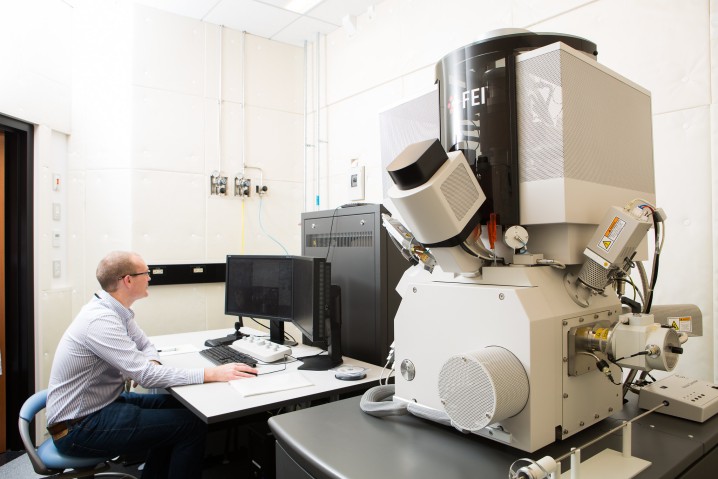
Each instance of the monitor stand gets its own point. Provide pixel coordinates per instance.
(276, 334)
(318, 363)
(334, 350)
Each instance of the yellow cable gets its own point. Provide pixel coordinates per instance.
(241, 232)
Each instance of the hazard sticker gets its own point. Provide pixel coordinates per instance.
(611, 234)
(602, 333)
(682, 324)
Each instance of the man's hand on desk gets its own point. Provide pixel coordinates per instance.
(228, 372)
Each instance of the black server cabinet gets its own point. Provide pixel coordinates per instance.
(367, 266)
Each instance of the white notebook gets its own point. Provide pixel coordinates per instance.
(270, 383)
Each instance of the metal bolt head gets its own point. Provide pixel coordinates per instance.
(610, 409)
(501, 296)
(565, 359)
(596, 416)
(580, 320)
(565, 395)
(564, 322)
(413, 290)
(565, 431)
(581, 423)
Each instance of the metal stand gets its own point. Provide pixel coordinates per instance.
(617, 465)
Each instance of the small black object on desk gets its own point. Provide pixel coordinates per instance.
(229, 339)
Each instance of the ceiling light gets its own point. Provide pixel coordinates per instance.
(301, 6)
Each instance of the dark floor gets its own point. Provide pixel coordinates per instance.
(9, 456)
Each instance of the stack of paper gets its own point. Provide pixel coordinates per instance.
(270, 383)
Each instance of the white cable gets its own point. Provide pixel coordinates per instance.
(551, 262)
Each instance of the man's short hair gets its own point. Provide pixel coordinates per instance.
(114, 266)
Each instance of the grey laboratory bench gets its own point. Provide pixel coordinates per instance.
(338, 440)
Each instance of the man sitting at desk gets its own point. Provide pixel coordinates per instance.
(88, 414)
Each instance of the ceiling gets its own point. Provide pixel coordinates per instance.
(273, 19)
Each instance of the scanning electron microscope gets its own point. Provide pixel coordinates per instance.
(524, 222)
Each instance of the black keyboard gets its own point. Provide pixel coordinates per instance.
(226, 355)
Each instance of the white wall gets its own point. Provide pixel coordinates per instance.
(666, 46)
(164, 128)
(172, 129)
(127, 106)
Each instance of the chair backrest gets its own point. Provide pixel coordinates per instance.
(33, 405)
(81, 467)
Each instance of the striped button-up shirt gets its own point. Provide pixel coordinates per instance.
(102, 348)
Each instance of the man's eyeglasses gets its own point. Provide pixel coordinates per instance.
(135, 274)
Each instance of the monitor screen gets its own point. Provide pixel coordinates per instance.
(259, 287)
(280, 288)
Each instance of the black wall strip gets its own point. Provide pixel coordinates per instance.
(164, 274)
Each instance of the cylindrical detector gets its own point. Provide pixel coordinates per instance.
(612, 245)
(538, 470)
(669, 343)
(437, 200)
(661, 346)
(594, 338)
(483, 387)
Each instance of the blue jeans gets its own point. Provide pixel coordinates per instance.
(137, 423)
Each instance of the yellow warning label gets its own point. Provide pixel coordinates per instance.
(612, 233)
(683, 324)
(687, 324)
(613, 225)
(602, 333)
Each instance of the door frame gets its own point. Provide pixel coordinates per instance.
(19, 359)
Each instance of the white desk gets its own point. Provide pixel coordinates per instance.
(216, 402)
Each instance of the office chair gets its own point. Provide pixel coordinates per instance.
(47, 460)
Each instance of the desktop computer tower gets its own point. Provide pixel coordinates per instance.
(367, 266)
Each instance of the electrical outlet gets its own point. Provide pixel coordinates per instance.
(56, 211)
(217, 184)
(56, 268)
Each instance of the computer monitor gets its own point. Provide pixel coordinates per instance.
(285, 288)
